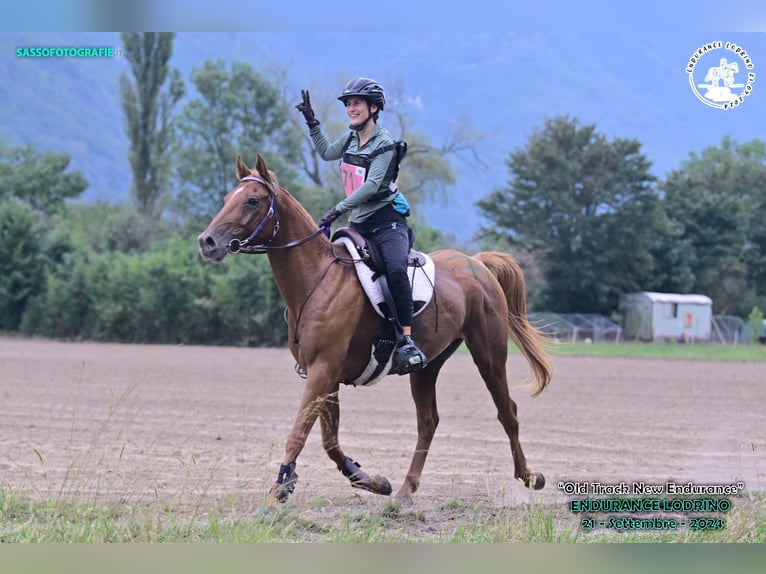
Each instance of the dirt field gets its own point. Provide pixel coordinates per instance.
(190, 426)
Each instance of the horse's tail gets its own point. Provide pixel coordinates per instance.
(530, 340)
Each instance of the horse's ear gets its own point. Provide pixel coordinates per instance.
(242, 169)
(260, 167)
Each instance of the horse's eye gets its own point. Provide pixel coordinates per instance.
(252, 201)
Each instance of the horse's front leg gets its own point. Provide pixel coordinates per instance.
(330, 420)
(315, 395)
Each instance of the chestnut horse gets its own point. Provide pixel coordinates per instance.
(478, 300)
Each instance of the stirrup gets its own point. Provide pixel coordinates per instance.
(408, 358)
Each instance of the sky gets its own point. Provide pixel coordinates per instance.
(309, 16)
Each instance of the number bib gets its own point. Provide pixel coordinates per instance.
(353, 176)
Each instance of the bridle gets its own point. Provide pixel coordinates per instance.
(237, 246)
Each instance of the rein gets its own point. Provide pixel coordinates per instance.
(237, 246)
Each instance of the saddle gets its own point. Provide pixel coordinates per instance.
(370, 256)
(369, 271)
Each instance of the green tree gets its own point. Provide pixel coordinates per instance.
(673, 258)
(33, 186)
(585, 207)
(63, 308)
(104, 227)
(40, 179)
(238, 111)
(717, 202)
(147, 101)
(21, 265)
(755, 323)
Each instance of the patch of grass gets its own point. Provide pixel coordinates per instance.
(660, 351)
(26, 520)
(453, 504)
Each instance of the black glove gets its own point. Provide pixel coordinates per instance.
(305, 108)
(329, 217)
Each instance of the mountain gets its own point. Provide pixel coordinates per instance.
(504, 85)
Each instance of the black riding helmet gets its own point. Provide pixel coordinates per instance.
(366, 88)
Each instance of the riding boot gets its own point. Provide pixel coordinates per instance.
(408, 357)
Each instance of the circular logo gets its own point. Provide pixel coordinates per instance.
(721, 74)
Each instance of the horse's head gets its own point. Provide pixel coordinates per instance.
(248, 214)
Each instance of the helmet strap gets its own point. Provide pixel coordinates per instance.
(360, 127)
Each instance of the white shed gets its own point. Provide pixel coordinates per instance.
(651, 316)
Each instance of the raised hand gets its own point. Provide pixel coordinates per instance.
(305, 108)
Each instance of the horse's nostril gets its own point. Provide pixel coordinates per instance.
(206, 243)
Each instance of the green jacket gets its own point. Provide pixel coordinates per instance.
(361, 202)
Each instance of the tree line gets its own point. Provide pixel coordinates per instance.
(582, 213)
(594, 220)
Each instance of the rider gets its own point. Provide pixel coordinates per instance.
(378, 209)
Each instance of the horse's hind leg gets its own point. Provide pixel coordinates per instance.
(490, 357)
(329, 419)
(423, 388)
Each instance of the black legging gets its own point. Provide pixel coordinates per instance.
(387, 230)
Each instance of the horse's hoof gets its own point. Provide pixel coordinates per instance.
(285, 483)
(382, 485)
(360, 479)
(403, 500)
(276, 494)
(376, 484)
(280, 492)
(535, 481)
